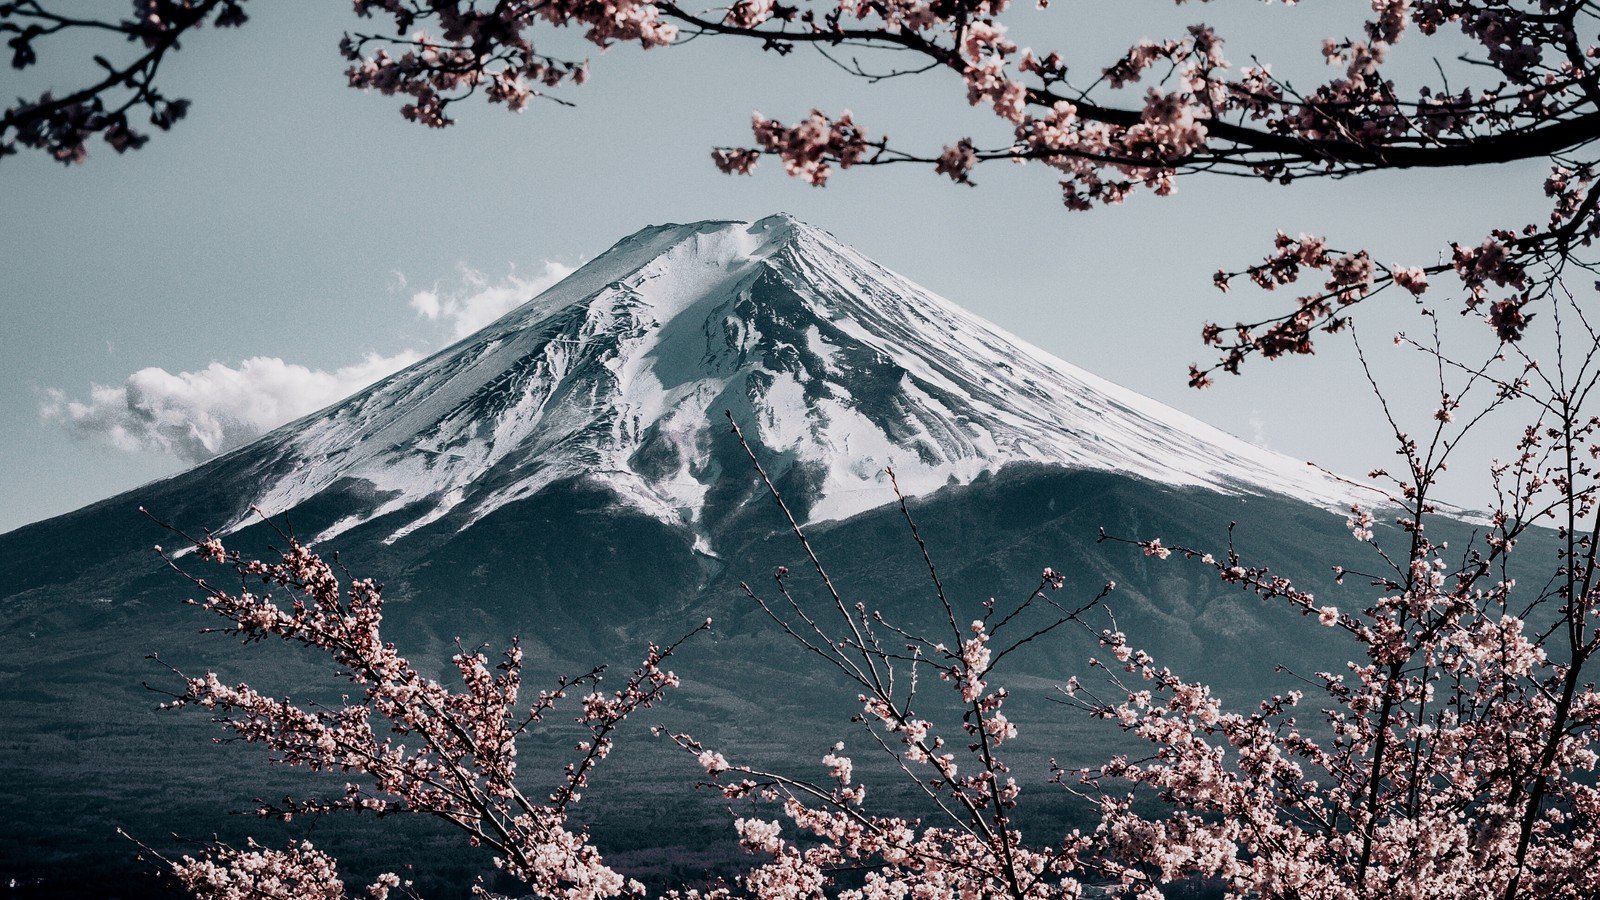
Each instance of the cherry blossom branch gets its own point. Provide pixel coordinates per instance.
(62, 126)
(464, 772)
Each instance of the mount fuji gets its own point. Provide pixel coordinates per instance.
(839, 368)
(568, 474)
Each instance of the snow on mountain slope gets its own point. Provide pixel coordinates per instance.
(833, 363)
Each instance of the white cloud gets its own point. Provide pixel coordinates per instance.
(197, 415)
(476, 302)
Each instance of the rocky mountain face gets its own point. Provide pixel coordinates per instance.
(568, 474)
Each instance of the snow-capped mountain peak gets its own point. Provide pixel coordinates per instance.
(620, 375)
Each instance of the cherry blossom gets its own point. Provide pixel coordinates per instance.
(406, 743)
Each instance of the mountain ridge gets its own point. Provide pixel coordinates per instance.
(837, 366)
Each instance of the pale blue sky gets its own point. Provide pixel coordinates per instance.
(273, 220)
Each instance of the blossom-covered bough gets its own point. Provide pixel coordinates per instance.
(407, 742)
(972, 849)
(1527, 89)
(1456, 755)
(62, 125)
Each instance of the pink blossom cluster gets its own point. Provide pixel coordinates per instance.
(408, 743)
(297, 872)
(820, 828)
(976, 853)
(492, 50)
(1455, 755)
(808, 149)
(1501, 264)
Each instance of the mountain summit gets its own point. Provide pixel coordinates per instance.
(836, 366)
